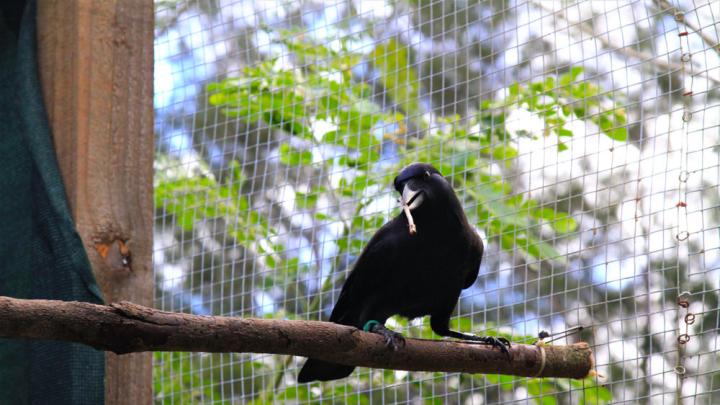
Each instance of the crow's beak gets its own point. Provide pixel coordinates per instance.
(411, 198)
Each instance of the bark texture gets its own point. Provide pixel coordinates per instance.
(125, 327)
(96, 69)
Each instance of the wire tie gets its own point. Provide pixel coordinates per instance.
(685, 57)
(683, 176)
(684, 338)
(682, 236)
(679, 16)
(542, 360)
(565, 333)
(687, 115)
(680, 370)
(690, 319)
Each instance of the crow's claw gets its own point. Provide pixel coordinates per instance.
(393, 340)
(499, 342)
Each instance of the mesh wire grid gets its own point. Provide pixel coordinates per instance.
(581, 137)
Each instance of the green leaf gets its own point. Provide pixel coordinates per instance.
(559, 221)
(564, 223)
(592, 394)
(494, 200)
(307, 200)
(504, 152)
(546, 213)
(293, 157)
(350, 244)
(323, 217)
(399, 79)
(571, 76)
(333, 137)
(368, 222)
(585, 90)
(618, 134)
(291, 266)
(507, 242)
(542, 391)
(295, 393)
(549, 84)
(536, 248)
(462, 324)
(506, 382)
(355, 186)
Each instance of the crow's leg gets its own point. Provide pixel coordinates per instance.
(440, 325)
(393, 340)
(499, 342)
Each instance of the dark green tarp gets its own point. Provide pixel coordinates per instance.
(41, 254)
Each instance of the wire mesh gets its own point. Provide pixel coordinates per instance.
(581, 137)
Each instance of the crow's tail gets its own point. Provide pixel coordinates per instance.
(344, 313)
(322, 370)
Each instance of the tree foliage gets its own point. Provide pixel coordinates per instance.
(561, 126)
(349, 137)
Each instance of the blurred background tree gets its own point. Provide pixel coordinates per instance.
(282, 124)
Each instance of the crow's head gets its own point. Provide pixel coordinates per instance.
(420, 184)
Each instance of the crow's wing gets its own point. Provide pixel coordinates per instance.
(369, 273)
(474, 257)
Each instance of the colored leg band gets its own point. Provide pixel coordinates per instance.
(369, 324)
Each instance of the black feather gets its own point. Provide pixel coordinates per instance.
(409, 275)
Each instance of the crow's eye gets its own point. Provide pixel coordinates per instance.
(426, 175)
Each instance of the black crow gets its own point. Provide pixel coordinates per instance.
(410, 269)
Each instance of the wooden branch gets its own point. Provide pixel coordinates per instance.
(127, 328)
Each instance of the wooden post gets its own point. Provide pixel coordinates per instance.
(96, 67)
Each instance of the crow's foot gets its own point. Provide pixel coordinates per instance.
(499, 342)
(393, 340)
